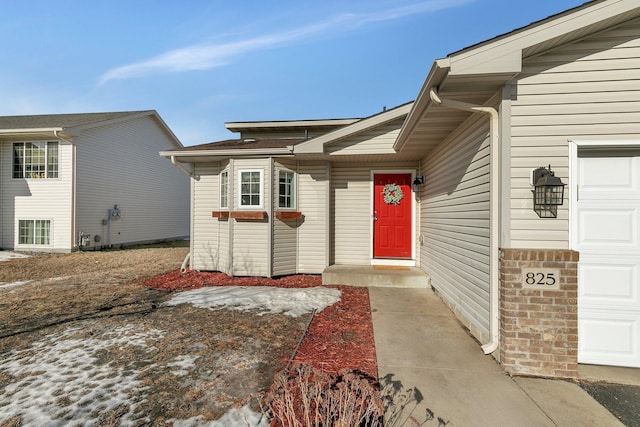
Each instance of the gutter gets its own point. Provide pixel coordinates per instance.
(229, 153)
(494, 285)
(183, 169)
(30, 130)
(58, 136)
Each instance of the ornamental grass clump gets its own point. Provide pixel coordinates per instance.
(309, 397)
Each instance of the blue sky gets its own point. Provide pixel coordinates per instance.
(203, 63)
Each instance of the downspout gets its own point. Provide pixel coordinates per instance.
(494, 285)
(187, 259)
(182, 168)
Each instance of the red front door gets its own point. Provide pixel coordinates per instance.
(392, 215)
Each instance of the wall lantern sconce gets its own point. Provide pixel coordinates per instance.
(548, 192)
(417, 183)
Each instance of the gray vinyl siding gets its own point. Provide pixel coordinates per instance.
(588, 90)
(209, 242)
(454, 222)
(313, 189)
(352, 210)
(118, 164)
(375, 141)
(252, 238)
(37, 199)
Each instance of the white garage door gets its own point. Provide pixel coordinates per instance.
(609, 243)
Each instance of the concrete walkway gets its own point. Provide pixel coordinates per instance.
(419, 343)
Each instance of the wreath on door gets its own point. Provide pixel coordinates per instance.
(392, 194)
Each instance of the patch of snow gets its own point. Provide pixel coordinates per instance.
(7, 255)
(239, 417)
(58, 379)
(15, 284)
(293, 302)
(183, 362)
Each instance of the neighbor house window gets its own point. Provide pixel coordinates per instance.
(34, 232)
(224, 190)
(35, 159)
(286, 189)
(250, 188)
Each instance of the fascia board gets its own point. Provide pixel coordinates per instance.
(437, 74)
(316, 145)
(260, 152)
(29, 130)
(239, 126)
(168, 130)
(505, 53)
(75, 130)
(37, 134)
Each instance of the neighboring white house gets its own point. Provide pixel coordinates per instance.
(543, 287)
(89, 180)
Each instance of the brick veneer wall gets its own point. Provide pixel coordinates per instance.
(539, 327)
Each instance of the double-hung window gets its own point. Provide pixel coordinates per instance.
(35, 159)
(224, 190)
(34, 232)
(286, 190)
(250, 188)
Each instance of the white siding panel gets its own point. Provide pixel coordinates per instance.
(251, 238)
(118, 164)
(210, 240)
(454, 222)
(285, 247)
(351, 201)
(46, 199)
(588, 90)
(312, 202)
(285, 232)
(375, 141)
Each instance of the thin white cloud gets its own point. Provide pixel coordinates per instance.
(211, 55)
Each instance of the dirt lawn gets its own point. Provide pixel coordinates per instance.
(82, 344)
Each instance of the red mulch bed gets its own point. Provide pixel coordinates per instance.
(340, 336)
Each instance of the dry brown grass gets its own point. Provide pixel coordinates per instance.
(114, 266)
(92, 294)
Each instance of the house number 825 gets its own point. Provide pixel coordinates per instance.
(541, 278)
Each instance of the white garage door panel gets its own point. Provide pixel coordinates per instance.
(607, 237)
(608, 282)
(608, 339)
(608, 228)
(606, 175)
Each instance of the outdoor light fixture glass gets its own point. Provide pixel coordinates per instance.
(548, 192)
(417, 183)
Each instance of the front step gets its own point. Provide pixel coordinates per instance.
(379, 276)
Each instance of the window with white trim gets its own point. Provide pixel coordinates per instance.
(224, 190)
(34, 232)
(286, 189)
(250, 188)
(35, 159)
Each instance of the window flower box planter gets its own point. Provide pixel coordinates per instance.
(220, 214)
(284, 215)
(249, 215)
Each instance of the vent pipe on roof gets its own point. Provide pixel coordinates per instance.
(494, 222)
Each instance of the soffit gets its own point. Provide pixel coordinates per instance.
(436, 122)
